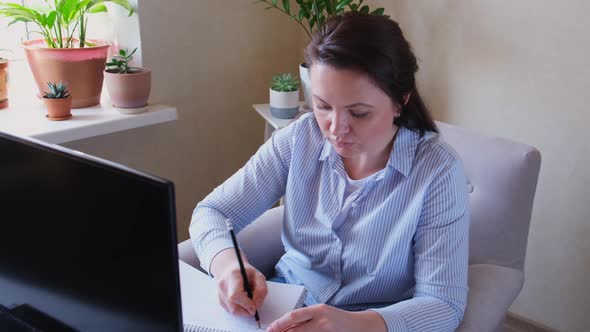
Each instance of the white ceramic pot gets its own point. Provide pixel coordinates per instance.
(284, 105)
(306, 84)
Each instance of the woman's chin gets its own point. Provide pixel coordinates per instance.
(345, 152)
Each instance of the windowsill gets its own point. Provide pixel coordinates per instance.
(26, 114)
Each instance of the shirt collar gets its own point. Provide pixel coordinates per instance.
(404, 150)
(401, 158)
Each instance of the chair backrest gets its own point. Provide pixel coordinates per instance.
(502, 179)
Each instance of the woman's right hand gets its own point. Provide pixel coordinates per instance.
(230, 286)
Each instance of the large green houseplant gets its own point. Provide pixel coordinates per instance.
(311, 15)
(64, 53)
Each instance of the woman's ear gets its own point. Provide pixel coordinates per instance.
(406, 98)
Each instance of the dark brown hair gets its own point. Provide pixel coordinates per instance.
(374, 46)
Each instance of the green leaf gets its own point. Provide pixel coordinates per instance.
(98, 8)
(51, 19)
(67, 9)
(19, 20)
(312, 22)
(378, 12)
(342, 4)
(364, 9)
(287, 6)
(301, 15)
(42, 18)
(14, 10)
(274, 2)
(125, 4)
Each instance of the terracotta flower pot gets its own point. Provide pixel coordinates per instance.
(58, 109)
(81, 69)
(3, 84)
(129, 90)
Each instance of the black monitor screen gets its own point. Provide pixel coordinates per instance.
(86, 242)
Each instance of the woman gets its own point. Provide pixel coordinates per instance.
(376, 208)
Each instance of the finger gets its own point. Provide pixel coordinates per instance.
(299, 327)
(227, 302)
(237, 310)
(236, 294)
(222, 303)
(260, 289)
(292, 318)
(233, 309)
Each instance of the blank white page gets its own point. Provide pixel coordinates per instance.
(201, 308)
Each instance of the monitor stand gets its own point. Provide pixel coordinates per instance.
(25, 318)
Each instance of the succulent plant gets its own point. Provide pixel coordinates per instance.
(56, 91)
(284, 83)
(120, 63)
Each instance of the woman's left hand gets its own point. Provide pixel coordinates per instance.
(323, 317)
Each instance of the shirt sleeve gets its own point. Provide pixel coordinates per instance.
(243, 197)
(441, 253)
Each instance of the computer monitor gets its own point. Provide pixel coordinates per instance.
(84, 242)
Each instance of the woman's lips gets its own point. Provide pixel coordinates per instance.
(340, 144)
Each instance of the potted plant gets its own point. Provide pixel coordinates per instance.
(3, 81)
(58, 102)
(64, 53)
(311, 16)
(128, 87)
(284, 96)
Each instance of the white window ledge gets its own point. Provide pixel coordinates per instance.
(85, 122)
(25, 115)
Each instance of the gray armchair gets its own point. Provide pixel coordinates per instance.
(502, 179)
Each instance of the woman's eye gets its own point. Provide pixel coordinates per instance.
(324, 107)
(359, 115)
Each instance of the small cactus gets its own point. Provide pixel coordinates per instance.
(56, 91)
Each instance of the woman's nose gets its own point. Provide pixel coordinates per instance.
(339, 124)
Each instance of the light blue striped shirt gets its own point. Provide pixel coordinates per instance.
(399, 247)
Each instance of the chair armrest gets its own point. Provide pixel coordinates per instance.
(261, 241)
(187, 254)
(492, 289)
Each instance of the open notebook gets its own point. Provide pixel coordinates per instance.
(201, 311)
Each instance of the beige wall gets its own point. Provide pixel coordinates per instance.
(519, 69)
(212, 60)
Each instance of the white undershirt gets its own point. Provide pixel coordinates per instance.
(352, 187)
(350, 194)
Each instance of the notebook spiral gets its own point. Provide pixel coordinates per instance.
(193, 328)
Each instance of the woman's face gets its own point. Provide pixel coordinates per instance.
(353, 113)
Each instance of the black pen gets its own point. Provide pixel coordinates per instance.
(242, 269)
